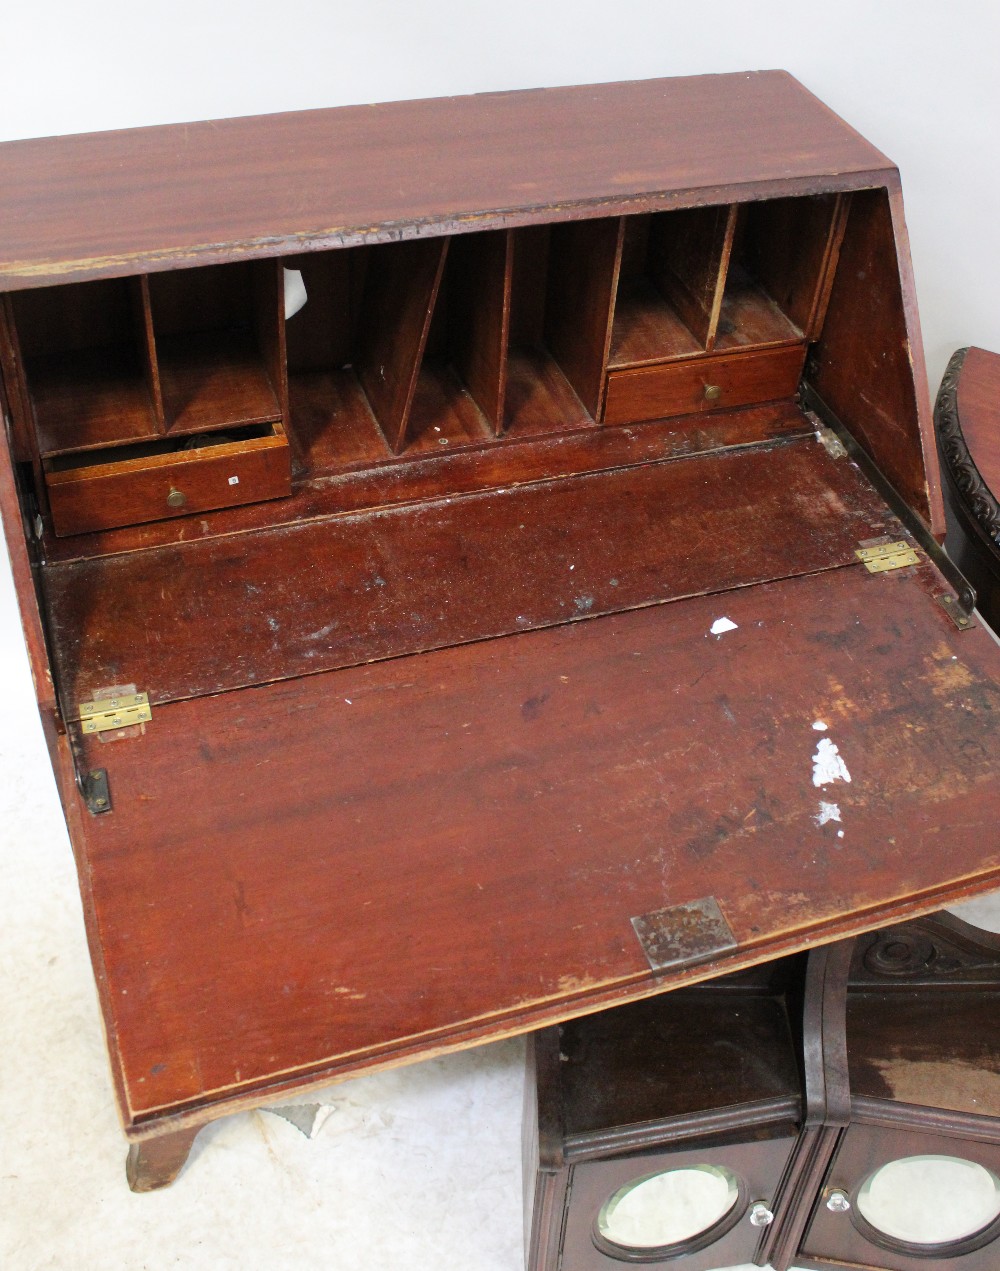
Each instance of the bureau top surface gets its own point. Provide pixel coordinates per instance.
(105, 204)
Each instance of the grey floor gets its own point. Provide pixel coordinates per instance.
(416, 1168)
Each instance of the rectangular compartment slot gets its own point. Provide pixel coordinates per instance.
(584, 263)
(673, 265)
(219, 345)
(478, 288)
(782, 256)
(330, 415)
(401, 287)
(459, 394)
(88, 364)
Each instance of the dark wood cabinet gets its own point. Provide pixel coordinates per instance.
(666, 1132)
(840, 1113)
(485, 641)
(912, 1170)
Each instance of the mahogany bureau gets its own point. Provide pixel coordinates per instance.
(545, 613)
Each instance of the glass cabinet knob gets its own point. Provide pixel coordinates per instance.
(761, 1214)
(837, 1202)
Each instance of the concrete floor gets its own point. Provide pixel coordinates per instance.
(416, 1168)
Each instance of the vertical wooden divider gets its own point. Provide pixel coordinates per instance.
(23, 432)
(146, 342)
(584, 263)
(269, 327)
(401, 288)
(480, 268)
(689, 252)
(838, 224)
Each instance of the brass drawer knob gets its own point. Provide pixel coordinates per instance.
(176, 498)
(713, 392)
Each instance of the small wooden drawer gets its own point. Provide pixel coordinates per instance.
(172, 476)
(707, 383)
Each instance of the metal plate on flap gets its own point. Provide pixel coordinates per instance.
(684, 934)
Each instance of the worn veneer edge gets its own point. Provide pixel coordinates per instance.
(225, 1100)
(22, 275)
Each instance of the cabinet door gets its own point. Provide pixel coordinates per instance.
(690, 1208)
(906, 1200)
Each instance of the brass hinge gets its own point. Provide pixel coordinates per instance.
(885, 556)
(107, 713)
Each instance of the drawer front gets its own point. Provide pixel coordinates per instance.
(709, 383)
(101, 495)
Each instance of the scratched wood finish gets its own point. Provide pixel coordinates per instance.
(237, 185)
(483, 465)
(232, 612)
(342, 867)
(364, 911)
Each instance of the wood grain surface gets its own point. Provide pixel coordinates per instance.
(158, 198)
(218, 614)
(362, 852)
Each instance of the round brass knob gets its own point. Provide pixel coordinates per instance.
(176, 498)
(713, 392)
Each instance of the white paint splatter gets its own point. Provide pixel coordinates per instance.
(819, 726)
(827, 812)
(827, 764)
(721, 625)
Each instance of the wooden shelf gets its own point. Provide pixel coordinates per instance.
(540, 399)
(214, 379)
(750, 318)
(646, 330)
(443, 413)
(333, 422)
(781, 265)
(89, 398)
